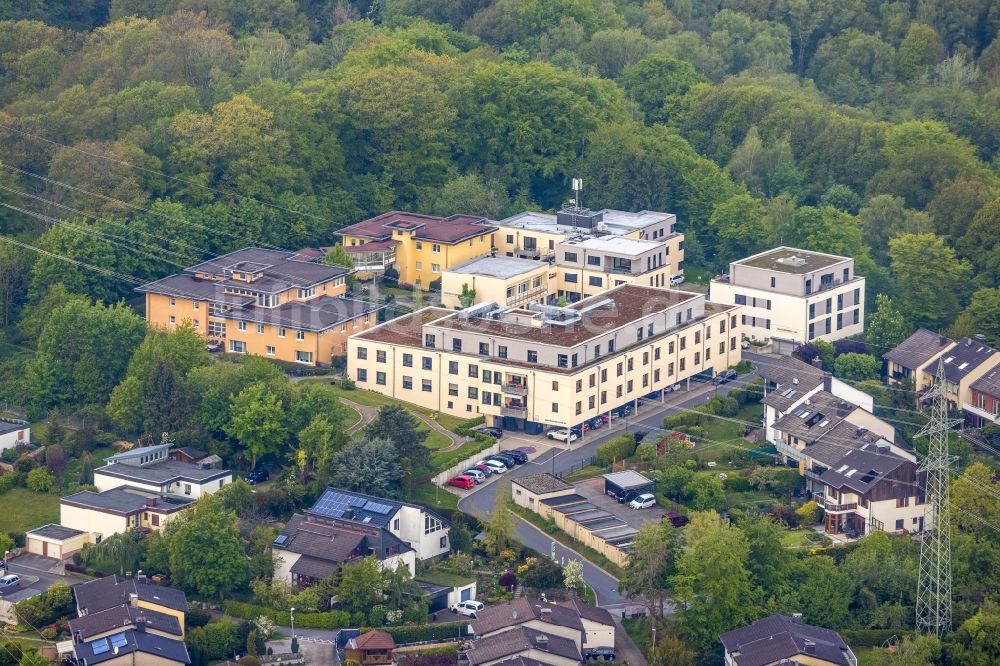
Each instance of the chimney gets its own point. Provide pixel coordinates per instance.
(943, 340)
(547, 614)
(140, 577)
(541, 639)
(797, 618)
(980, 337)
(133, 599)
(140, 624)
(810, 647)
(150, 501)
(77, 636)
(795, 380)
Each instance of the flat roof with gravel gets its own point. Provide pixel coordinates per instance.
(498, 267)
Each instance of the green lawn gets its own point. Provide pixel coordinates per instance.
(22, 510)
(587, 472)
(372, 399)
(431, 496)
(795, 539)
(446, 577)
(726, 430)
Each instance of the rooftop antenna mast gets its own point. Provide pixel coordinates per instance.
(577, 188)
(934, 583)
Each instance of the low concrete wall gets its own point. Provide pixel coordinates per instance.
(442, 478)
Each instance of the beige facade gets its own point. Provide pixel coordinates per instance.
(58, 546)
(529, 491)
(547, 366)
(794, 295)
(504, 280)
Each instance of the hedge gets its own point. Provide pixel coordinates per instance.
(467, 428)
(419, 633)
(324, 620)
(868, 637)
(619, 448)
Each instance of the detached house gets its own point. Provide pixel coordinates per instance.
(779, 639)
(984, 409)
(151, 468)
(911, 356)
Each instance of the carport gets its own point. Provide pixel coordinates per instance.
(628, 481)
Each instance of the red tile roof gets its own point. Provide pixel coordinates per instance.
(427, 227)
(374, 640)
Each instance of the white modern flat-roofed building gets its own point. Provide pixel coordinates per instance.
(792, 296)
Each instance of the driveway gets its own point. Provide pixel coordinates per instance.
(593, 490)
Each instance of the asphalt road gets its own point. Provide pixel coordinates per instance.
(480, 501)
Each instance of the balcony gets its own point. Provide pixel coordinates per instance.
(514, 411)
(788, 450)
(830, 506)
(982, 413)
(515, 389)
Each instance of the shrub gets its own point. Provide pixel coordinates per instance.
(730, 407)
(808, 513)
(324, 620)
(196, 617)
(40, 480)
(420, 633)
(466, 428)
(743, 367)
(347, 383)
(10, 480)
(619, 448)
(508, 580)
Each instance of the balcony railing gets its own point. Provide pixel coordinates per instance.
(982, 413)
(515, 412)
(789, 450)
(830, 505)
(515, 389)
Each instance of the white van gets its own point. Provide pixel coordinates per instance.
(676, 280)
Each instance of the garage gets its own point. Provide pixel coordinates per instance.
(55, 541)
(627, 483)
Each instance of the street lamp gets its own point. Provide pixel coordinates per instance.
(291, 613)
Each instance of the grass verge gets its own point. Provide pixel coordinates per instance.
(372, 399)
(587, 472)
(429, 495)
(589, 553)
(22, 510)
(445, 459)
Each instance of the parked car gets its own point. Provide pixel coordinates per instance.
(676, 519)
(462, 481)
(485, 469)
(670, 389)
(256, 476)
(10, 580)
(520, 456)
(676, 280)
(562, 435)
(495, 466)
(213, 346)
(492, 432)
(599, 653)
(643, 501)
(596, 423)
(478, 475)
(507, 461)
(727, 376)
(745, 344)
(623, 496)
(469, 608)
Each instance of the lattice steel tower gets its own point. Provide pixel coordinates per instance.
(934, 584)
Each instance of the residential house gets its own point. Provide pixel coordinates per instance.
(264, 302)
(188, 454)
(311, 548)
(420, 247)
(908, 359)
(529, 491)
(126, 616)
(419, 528)
(530, 614)
(779, 639)
(372, 647)
(984, 407)
(113, 591)
(530, 647)
(789, 383)
(792, 296)
(964, 364)
(14, 432)
(506, 280)
(150, 469)
(547, 366)
(589, 252)
(109, 512)
(132, 647)
(598, 625)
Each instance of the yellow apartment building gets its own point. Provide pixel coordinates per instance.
(508, 281)
(263, 302)
(540, 366)
(421, 247)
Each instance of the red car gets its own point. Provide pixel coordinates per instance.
(462, 481)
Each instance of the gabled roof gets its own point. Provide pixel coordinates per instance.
(519, 611)
(334, 544)
(128, 642)
(793, 378)
(777, 637)
(815, 417)
(104, 593)
(843, 437)
(861, 469)
(425, 227)
(121, 617)
(373, 640)
(963, 358)
(917, 349)
(361, 508)
(989, 383)
(588, 612)
(517, 641)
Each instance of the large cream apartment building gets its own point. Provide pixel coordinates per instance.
(545, 366)
(792, 296)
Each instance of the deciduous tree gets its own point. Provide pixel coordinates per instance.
(257, 421)
(931, 280)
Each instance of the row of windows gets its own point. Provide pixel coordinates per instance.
(742, 299)
(240, 347)
(436, 248)
(829, 304)
(826, 325)
(435, 268)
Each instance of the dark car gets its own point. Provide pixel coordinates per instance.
(625, 496)
(639, 435)
(495, 433)
(596, 654)
(676, 519)
(519, 456)
(485, 469)
(727, 376)
(257, 476)
(596, 422)
(504, 458)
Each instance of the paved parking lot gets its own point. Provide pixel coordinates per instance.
(593, 490)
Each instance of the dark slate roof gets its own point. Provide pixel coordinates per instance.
(793, 378)
(361, 508)
(336, 544)
(542, 483)
(517, 641)
(963, 358)
(164, 471)
(843, 437)
(192, 452)
(188, 286)
(313, 567)
(121, 617)
(861, 469)
(128, 642)
(777, 637)
(124, 501)
(519, 611)
(809, 422)
(917, 349)
(563, 500)
(104, 593)
(317, 314)
(989, 383)
(277, 264)
(425, 227)
(12, 425)
(53, 531)
(588, 612)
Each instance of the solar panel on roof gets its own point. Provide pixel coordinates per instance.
(118, 640)
(100, 646)
(357, 502)
(376, 507)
